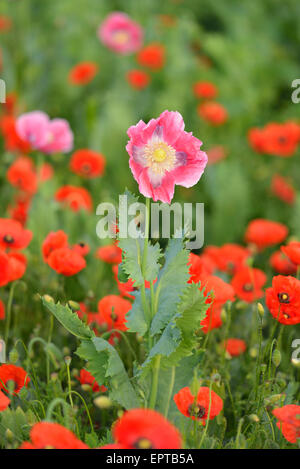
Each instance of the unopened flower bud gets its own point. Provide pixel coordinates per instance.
(73, 305)
(260, 309)
(68, 360)
(48, 298)
(9, 434)
(276, 358)
(103, 402)
(13, 356)
(254, 418)
(86, 387)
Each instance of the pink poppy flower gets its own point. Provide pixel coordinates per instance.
(162, 154)
(120, 34)
(32, 127)
(60, 137)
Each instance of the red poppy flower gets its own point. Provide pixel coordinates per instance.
(81, 248)
(212, 319)
(124, 288)
(54, 240)
(15, 375)
(216, 154)
(212, 112)
(235, 347)
(152, 56)
(13, 235)
(87, 163)
(283, 189)
(113, 309)
(282, 264)
(205, 89)
(66, 261)
(12, 140)
(199, 266)
(4, 269)
(17, 265)
(292, 251)
(264, 233)
(217, 291)
(76, 198)
(230, 257)
(111, 254)
(5, 23)
(248, 283)
(288, 421)
(197, 408)
(146, 429)
(138, 79)
(4, 401)
(283, 299)
(2, 310)
(85, 377)
(276, 139)
(49, 435)
(83, 73)
(19, 211)
(10, 104)
(21, 174)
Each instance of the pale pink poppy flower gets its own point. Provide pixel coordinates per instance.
(163, 155)
(60, 137)
(121, 34)
(33, 128)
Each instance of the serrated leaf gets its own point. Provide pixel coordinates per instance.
(172, 281)
(136, 321)
(68, 319)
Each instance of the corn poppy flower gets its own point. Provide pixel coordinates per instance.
(199, 265)
(17, 265)
(85, 377)
(213, 112)
(111, 254)
(49, 435)
(125, 288)
(76, 198)
(4, 401)
(230, 257)
(137, 79)
(2, 310)
(212, 319)
(13, 235)
(83, 73)
(54, 240)
(120, 33)
(288, 421)
(146, 429)
(4, 269)
(81, 248)
(15, 375)
(22, 175)
(13, 142)
(66, 261)
(292, 251)
(276, 139)
(283, 299)
(87, 163)
(20, 208)
(282, 264)
(235, 347)
(283, 189)
(248, 284)
(264, 233)
(205, 89)
(197, 407)
(162, 154)
(113, 309)
(152, 56)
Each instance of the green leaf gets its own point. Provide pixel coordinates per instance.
(136, 321)
(107, 367)
(68, 319)
(172, 281)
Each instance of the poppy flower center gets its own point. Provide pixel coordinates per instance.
(143, 443)
(8, 239)
(196, 410)
(114, 316)
(121, 37)
(160, 157)
(248, 287)
(86, 168)
(284, 297)
(82, 245)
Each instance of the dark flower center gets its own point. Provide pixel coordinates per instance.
(82, 245)
(248, 287)
(143, 443)
(284, 297)
(196, 410)
(86, 168)
(282, 139)
(113, 316)
(8, 239)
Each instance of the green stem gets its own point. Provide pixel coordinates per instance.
(154, 385)
(208, 415)
(69, 384)
(172, 381)
(49, 341)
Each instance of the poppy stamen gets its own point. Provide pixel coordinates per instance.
(284, 297)
(143, 443)
(248, 287)
(8, 239)
(196, 410)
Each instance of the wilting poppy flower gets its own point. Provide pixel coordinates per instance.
(13, 375)
(2, 310)
(17, 265)
(76, 198)
(13, 142)
(5, 23)
(199, 265)
(113, 309)
(162, 154)
(212, 112)
(4, 401)
(283, 189)
(282, 264)
(248, 284)
(81, 248)
(152, 56)
(146, 429)
(54, 240)
(138, 79)
(4, 269)
(283, 299)
(292, 251)
(230, 257)
(13, 235)
(85, 377)
(120, 33)
(205, 89)
(66, 261)
(197, 408)
(276, 139)
(216, 154)
(22, 175)
(264, 233)
(83, 73)
(49, 435)
(87, 163)
(235, 347)
(288, 421)
(111, 254)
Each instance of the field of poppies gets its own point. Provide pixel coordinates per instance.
(124, 342)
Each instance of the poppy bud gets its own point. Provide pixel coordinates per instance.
(13, 356)
(276, 358)
(54, 377)
(103, 402)
(260, 309)
(68, 360)
(86, 387)
(48, 299)
(254, 418)
(73, 305)
(9, 435)
(253, 352)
